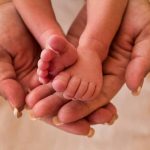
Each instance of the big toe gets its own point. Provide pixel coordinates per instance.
(61, 81)
(57, 43)
(67, 51)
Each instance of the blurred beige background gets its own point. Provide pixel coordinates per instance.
(130, 132)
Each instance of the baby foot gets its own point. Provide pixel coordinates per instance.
(83, 80)
(58, 55)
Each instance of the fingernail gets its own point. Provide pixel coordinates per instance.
(56, 121)
(115, 117)
(32, 117)
(137, 92)
(91, 133)
(16, 113)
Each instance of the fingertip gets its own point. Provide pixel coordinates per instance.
(61, 81)
(9, 88)
(135, 74)
(111, 108)
(100, 116)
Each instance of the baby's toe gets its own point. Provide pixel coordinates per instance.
(81, 90)
(47, 55)
(61, 81)
(97, 91)
(56, 67)
(72, 87)
(43, 65)
(42, 73)
(90, 92)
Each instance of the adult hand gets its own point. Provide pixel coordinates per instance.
(19, 53)
(128, 60)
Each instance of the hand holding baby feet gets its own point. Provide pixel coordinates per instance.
(58, 55)
(83, 80)
(134, 31)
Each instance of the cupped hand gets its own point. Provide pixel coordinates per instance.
(19, 53)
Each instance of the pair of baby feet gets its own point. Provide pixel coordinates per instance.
(77, 73)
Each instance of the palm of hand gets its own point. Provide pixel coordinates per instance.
(18, 54)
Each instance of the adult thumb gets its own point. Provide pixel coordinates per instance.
(138, 66)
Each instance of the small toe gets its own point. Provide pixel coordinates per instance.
(43, 65)
(47, 55)
(72, 87)
(42, 73)
(61, 81)
(97, 91)
(90, 92)
(44, 80)
(56, 67)
(81, 90)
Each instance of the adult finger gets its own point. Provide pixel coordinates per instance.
(81, 127)
(139, 66)
(39, 93)
(107, 114)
